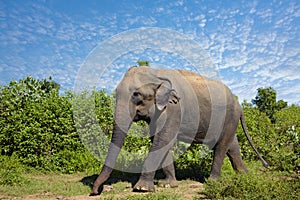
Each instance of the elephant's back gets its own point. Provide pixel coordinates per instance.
(199, 84)
(199, 81)
(215, 101)
(206, 87)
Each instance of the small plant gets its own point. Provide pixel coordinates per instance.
(195, 162)
(11, 171)
(253, 186)
(278, 143)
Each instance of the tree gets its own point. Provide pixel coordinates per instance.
(143, 63)
(281, 105)
(246, 105)
(265, 101)
(36, 123)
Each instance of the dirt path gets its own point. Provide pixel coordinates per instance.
(77, 187)
(187, 190)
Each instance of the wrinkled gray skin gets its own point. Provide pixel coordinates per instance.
(176, 104)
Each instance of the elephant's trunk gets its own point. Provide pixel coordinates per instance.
(121, 126)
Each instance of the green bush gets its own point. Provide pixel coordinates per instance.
(278, 143)
(104, 110)
(69, 161)
(195, 162)
(260, 129)
(287, 128)
(93, 117)
(11, 171)
(36, 125)
(252, 186)
(136, 147)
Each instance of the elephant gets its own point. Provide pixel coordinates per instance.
(177, 105)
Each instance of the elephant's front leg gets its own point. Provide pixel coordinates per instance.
(169, 171)
(164, 128)
(159, 150)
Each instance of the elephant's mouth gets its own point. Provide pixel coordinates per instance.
(141, 118)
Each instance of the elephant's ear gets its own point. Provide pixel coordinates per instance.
(165, 95)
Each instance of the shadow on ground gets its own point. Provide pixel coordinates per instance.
(118, 176)
(115, 177)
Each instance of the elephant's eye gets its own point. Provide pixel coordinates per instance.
(137, 98)
(136, 94)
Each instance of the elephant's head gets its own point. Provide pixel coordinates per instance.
(139, 96)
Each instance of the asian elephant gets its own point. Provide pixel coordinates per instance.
(177, 104)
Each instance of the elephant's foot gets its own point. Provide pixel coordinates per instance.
(214, 177)
(167, 183)
(144, 186)
(95, 191)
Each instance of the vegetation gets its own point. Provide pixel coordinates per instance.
(278, 143)
(265, 101)
(36, 126)
(257, 184)
(143, 63)
(38, 132)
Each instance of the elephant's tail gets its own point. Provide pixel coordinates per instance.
(243, 123)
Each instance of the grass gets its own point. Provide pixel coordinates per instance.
(56, 184)
(252, 186)
(51, 186)
(259, 183)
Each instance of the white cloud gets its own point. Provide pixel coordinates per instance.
(265, 15)
(289, 93)
(256, 43)
(160, 9)
(179, 3)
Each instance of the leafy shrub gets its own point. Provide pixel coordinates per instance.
(252, 186)
(92, 113)
(11, 171)
(136, 147)
(278, 143)
(104, 110)
(36, 124)
(195, 162)
(69, 161)
(287, 128)
(260, 129)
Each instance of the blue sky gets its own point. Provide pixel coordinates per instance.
(252, 43)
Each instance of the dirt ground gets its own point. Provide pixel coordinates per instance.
(187, 190)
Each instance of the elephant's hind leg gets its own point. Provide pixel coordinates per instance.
(235, 157)
(221, 149)
(219, 155)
